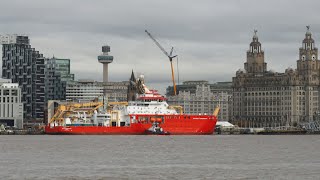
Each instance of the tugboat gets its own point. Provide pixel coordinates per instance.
(155, 129)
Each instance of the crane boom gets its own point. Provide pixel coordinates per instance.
(170, 59)
(63, 109)
(157, 43)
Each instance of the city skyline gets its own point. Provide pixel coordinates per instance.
(213, 34)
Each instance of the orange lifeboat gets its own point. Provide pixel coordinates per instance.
(158, 120)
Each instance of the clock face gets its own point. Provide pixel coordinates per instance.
(303, 57)
(313, 57)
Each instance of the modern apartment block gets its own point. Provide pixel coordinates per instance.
(264, 98)
(38, 84)
(55, 87)
(11, 107)
(38, 77)
(24, 65)
(57, 76)
(203, 101)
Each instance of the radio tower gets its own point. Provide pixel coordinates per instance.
(105, 59)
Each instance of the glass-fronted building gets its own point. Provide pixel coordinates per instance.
(62, 66)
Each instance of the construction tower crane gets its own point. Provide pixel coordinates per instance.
(170, 56)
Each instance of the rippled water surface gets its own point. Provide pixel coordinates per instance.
(160, 157)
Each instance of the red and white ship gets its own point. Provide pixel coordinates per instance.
(149, 114)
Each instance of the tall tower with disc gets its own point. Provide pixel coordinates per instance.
(105, 59)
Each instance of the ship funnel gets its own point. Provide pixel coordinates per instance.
(216, 111)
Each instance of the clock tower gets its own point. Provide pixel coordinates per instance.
(255, 57)
(308, 63)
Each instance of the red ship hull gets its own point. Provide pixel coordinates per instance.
(172, 124)
(133, 129)
(186, 124)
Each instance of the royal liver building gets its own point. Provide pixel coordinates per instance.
(263, 98)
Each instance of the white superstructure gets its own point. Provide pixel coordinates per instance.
(150, 103)
(152, 107)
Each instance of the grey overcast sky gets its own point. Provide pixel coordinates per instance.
(211, 37)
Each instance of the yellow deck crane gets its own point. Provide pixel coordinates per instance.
(65, 109)
(111, 105)
(216, 111)
(170, 56)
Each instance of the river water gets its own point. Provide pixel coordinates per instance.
(160, 157)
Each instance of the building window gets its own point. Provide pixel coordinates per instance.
(6, 92)
(14, 92)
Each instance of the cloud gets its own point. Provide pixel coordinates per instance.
(210, 37)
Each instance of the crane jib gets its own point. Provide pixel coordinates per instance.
(169, 56)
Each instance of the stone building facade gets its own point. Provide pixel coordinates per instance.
(203, 101)
(191, 86)
(263, 98)
(116, 91)
(132, 88)
(11, 107)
